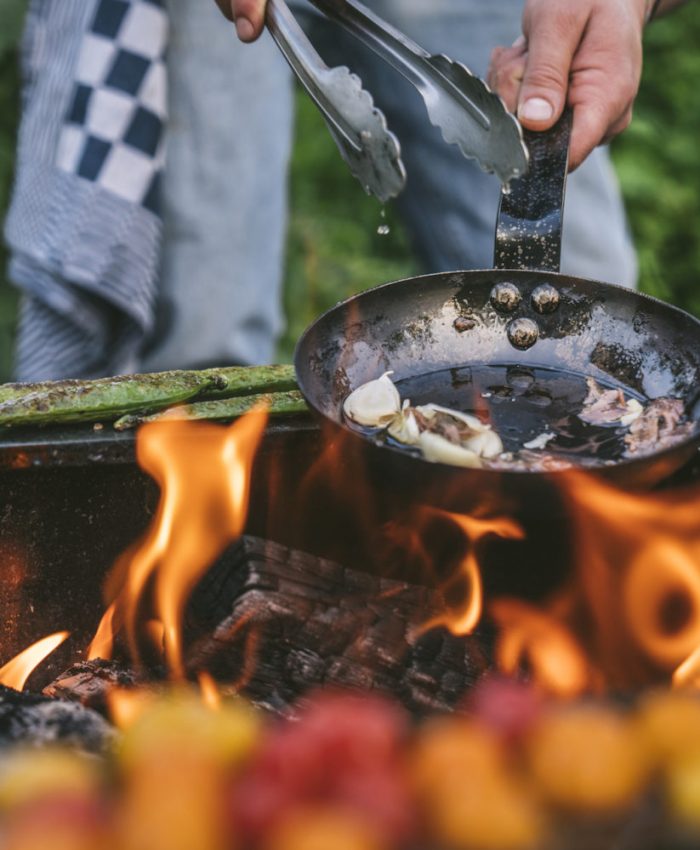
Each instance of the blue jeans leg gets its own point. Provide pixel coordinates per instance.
(224, 197)
(449, 205)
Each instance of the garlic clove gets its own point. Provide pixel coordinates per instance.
(476, 425)
(486, 444)
(404, 428)
(439, 450)
(634, 411)
(375, 403)
(540, 441)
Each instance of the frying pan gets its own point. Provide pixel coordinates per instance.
(435, 329)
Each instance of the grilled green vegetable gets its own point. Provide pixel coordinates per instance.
(276, 404)
(245, 380)
(106, 399)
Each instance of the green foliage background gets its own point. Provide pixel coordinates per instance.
(333, 245)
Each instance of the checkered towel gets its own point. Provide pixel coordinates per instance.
(83, 226)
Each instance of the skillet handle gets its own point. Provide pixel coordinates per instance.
(528, 230)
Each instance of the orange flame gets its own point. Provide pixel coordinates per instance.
(629, 614)
(204, 474)
(661, 598)
(125, 705)
(463, 619)
(555, 660)
(154, 631)
(16, 672)
(211, 696)
(637, 581)
(687, 674)
(102, 644)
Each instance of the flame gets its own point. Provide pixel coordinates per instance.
(126, 705)
(102, 644)
(16, 672)
(687, 674)
(211, 696)
(465, 618)
(204, 474)
(637, 579)
(662, 602)
(154, 631)
(555, 660)
(466, 583)
(626, 615)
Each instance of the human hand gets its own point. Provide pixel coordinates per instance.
(248, 15)
(587, 54)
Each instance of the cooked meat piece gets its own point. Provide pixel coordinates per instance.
(608, 407)
(529, 461)
(658, 427)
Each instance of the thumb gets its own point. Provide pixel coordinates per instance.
(249, 16)
(552, 43)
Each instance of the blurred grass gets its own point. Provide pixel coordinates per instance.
(334, 249)
(658, 161)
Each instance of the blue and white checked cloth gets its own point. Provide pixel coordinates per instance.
(83, 226)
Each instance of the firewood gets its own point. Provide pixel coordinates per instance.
(275, 622)
(88, 682)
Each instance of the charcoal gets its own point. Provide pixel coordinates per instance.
(37, 721)
(303, 666)
(88, 682)
(295, 621)
(451, 684)
(348, 674)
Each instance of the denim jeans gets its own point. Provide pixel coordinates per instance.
(225, 188)
(449, 204)
(224, 195)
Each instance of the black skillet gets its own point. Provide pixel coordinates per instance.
(435, 331)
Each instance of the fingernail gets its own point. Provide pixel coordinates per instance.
(520, 41)
(244, 28)
(535, 109)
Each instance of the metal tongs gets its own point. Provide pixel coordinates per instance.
(467, 112)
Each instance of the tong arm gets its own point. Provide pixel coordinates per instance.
(394, 47)
(371, 151)
(467, 112)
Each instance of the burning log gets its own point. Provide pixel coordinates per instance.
(35, 721)
(273, 622)
(89, 682)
